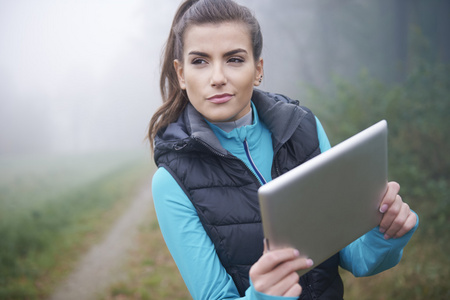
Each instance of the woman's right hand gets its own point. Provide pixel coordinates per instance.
(275, 272)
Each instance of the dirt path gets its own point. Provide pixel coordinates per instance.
(101, 265)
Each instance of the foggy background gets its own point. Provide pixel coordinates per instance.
(79, 84)
(80, 76)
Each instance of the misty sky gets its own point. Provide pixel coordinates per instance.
(82, 75)
(79, 75)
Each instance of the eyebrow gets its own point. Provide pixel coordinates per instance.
(229, 53)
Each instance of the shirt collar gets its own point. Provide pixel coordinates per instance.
(229, 126)
(238, 135)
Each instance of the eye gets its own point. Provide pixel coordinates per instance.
(198, 61)
(236, 60)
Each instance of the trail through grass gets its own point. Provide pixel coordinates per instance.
(151, 271)
(53, 208)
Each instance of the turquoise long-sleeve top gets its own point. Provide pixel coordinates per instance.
(193, 250)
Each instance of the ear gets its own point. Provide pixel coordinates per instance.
(259, 72)
(180, 73)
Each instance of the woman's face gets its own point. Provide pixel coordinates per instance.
(218, 70)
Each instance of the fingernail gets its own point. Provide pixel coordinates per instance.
(296, 253)
(386, 237)
(382, 230)
(383, 208)
(309, 262)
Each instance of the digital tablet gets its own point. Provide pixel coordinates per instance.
(329, 201)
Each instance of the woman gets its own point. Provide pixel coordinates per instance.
(216, 140)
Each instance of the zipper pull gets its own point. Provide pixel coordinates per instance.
(179, 146)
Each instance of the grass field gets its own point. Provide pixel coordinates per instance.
(52, 208)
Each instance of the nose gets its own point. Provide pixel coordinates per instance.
(218, 77)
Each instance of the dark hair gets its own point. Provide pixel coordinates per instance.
(194, 12)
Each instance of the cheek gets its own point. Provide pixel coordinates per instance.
(242, 77)
(194, 92)
(247, 81)
(192, 84)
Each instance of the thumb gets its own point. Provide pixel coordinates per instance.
(266, 245)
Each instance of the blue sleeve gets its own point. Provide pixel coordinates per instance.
(324, 143)
(190, 246)
(371, 253)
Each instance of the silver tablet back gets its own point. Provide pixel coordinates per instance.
(329, 201)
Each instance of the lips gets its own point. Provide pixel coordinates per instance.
(221, 98)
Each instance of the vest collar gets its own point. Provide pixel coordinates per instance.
(201, 131)
(281, 115)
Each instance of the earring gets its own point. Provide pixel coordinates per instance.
(260, 79)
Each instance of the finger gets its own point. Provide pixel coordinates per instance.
(292, 266)
(281, 279)
(399, 220)
(271, 259)
(284, 285)
(390, 215)
(409, 224)
(271, 282)
(389, 197)
(294, 291)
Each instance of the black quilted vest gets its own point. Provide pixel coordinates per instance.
(224, 191)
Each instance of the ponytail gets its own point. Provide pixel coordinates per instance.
(174, 98)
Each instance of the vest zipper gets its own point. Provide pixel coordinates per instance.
(277, 167)
(250, 159)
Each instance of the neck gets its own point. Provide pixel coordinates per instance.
(229, 126)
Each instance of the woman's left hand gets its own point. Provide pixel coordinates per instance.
(398, 219)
